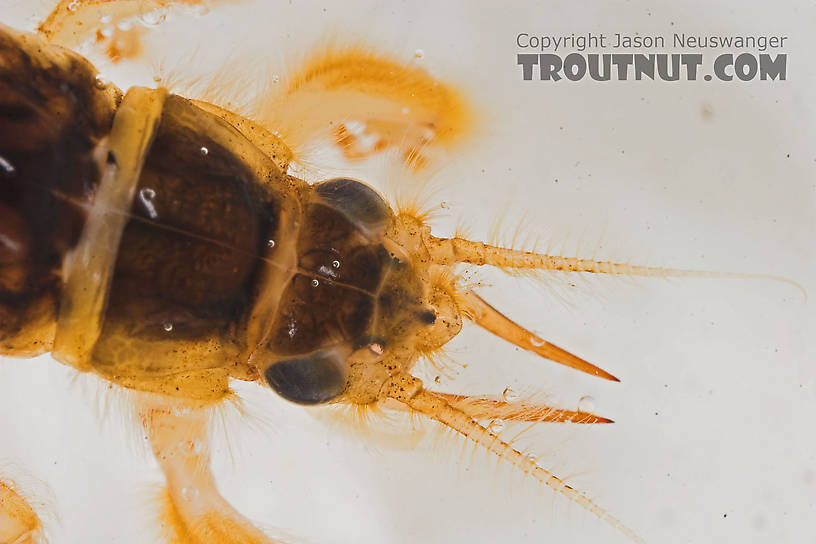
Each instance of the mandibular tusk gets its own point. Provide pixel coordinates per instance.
(489, 318)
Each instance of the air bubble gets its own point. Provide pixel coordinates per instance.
(335, 264)
(147, 195)
(6, 166)
(509, 395)
(536, 341)
(100, 82)
(270, 243)
(419, 54)
(73, 6)
(197, 446)
(204, 150)
(315, 283)
(105, 19)
(586, 404)
(275, 78)
(406, 110)
(167, 326)
(437, 379)
(496, 426)
(376, 349)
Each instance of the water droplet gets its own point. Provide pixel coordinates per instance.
(315, 283)
(419, 54)
(586, 404)
(275, 78)
(335, 264)
(536, 341)
(6, 166)
(73, 6)
(167, 326)
(496, 426)
(270, 243)
(204, 150)
(509, 395)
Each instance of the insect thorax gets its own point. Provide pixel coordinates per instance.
(226, 266)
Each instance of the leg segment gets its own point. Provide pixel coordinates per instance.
(74, 22)
(19, 524)
(368, 103)
(193, 511)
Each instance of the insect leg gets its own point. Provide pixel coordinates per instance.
(73, 22)
(193, 511)
(19, 524)
(369, 103)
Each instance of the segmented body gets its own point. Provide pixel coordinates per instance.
(222, 259)
(160, 243)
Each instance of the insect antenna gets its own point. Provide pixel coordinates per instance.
(409, 390)
(451, 251)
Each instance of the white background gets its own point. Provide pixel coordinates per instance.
(713, 440)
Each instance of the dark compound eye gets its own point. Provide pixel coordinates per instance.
(357, 201)
(311, 379)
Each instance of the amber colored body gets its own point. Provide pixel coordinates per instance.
(213, 221)
(160, 243)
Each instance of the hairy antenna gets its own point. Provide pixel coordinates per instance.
(450, 251)
(409, 390)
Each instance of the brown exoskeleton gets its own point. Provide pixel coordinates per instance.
(160, 243)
